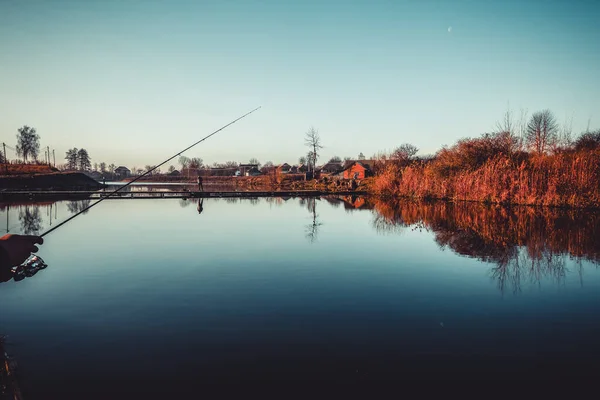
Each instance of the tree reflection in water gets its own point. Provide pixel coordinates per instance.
(312, 229)
(524, 243)
(30, 218)
(76, 206)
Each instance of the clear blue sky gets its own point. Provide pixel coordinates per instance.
(133, 81)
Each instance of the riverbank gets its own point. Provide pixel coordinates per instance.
(51, 181)
(490, 170)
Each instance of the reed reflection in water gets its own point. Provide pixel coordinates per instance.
(524, 243)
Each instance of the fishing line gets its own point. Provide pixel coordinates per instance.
(146, 173)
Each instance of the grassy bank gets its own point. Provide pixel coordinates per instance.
(53, 181)
(492, 169)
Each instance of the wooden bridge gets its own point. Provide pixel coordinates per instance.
(87, 194)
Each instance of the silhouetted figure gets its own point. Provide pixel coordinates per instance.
(200, 206)
(200, 187)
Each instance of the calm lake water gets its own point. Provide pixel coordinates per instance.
(153, 296)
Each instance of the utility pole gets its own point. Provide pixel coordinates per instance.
(5, 157)
(54, 158)
(48, 147)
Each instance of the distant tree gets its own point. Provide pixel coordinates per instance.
(347, 159)
(95, 166)
(405, 152)
(335, 159)
(313, 141)
(254, 161)
(588, 141)
(2, 158)
(139, 171)
(72, 158)
(541, 131)
(565, 135)
(148, 168)
(184, 162)
(111, 168)
(84, 160)
(361, 156)
(195, 163)
(171, 168)
(267, 167)
(302, 160)
(103, 167)
(506, 124)
(28, 143)
(230, 164)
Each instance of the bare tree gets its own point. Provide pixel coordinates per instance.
(28, 143)
(310, 161)
(312, 230)
(541, 131)
(103, 167)
(361, 156)
(196, 162)
(254, 160)
(185, 164)
(522, 128)
(507, 123)
(313, 141)
(302, 160)
(405, 152)
(565, 137)
(335, 159)
(171, 168)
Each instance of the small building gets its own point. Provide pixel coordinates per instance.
(174, 173)
(358, 169)
(284, 168)
(254, 171)
(123, 172)
(331, 167)
(294, 169)
(244, 168)
(302, 168)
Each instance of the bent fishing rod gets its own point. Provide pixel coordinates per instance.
(146, 173)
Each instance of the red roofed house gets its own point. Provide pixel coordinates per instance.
(358, 169)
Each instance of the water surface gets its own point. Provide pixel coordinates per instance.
(162, 295)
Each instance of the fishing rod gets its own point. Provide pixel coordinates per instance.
(146, 173)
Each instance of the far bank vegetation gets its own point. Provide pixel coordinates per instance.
(534, 162)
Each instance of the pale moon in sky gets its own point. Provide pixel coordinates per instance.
(449, 29)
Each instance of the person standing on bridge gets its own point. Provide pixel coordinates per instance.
(200, 187)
